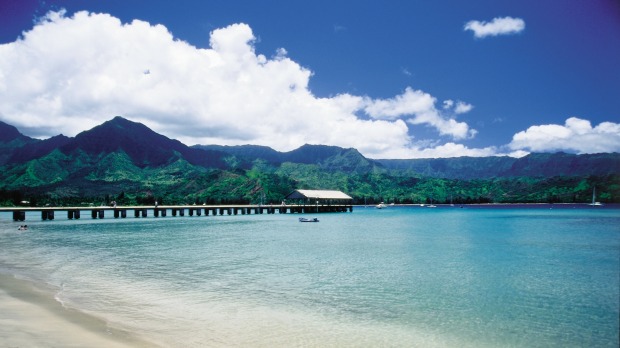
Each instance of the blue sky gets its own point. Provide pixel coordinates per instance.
(394, 79)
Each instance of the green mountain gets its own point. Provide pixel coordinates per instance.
(330, 158)
(533, 165)
(10, 141)
(144, 147)
(465, 168)
(127, 162)
(563, 164)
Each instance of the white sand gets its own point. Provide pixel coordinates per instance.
(30, 317)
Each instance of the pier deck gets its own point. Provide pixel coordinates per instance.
(48, 213)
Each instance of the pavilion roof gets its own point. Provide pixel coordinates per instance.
(318, 194)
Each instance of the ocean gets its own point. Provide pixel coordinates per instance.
(477, 276)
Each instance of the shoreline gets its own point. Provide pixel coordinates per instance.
(30, 316)
(487, 205)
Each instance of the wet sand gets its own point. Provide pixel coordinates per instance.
(31, 317)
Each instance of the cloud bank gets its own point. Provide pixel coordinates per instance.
(69, 74)
(576, 135)
(498, 26)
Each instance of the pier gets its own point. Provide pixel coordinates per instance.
(101, 212)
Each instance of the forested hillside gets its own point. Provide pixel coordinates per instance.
(127, 162)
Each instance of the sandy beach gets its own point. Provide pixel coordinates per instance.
(31, 317)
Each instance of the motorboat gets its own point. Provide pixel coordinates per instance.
(308, 220)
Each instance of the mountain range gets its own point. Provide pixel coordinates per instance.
(121, 156)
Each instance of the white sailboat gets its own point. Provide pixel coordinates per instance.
(431, 205)
(594, 202)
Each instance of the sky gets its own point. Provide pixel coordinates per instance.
(393, 79)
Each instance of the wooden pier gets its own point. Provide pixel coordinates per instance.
(49, 213)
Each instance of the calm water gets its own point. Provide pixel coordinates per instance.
(398, 277)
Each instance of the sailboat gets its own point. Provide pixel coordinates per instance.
(594, 202)
(431, 205)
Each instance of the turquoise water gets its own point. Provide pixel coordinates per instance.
(398, 277)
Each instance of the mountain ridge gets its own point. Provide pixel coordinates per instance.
(148, 148)
(144, 146)
(124, 155)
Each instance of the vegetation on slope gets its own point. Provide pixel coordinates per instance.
(128, 163)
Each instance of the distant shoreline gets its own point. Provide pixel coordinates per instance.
(487, 204)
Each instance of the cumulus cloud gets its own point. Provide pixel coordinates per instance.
(458, 108)
(462, 107)
(454, 150)
(498, 26)
(576, 135)
(69, 74)
(419, 108)
(411, 102)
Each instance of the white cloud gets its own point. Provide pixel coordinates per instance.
(419, 108)
(411, 102)
(454, 150)
(498, 26)
(462, 107)
(576, 135)
(69, 74)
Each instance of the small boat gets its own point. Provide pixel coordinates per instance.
(431, 205)
(594, 202)
(308, 220)
(381, 205)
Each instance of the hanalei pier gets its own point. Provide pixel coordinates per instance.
(305, 201)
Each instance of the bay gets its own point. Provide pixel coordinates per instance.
(478, 276)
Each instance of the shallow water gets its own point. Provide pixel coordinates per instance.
(518, 276)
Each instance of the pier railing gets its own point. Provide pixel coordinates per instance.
(49, 213)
